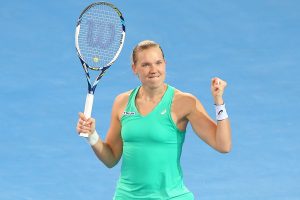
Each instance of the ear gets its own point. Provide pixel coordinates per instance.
(133, 67)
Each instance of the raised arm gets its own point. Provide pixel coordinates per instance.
(216, 134)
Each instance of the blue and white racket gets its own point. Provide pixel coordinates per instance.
(99, 38)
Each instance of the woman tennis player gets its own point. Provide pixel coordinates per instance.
(148, 126)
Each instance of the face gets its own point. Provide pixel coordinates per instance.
(150, 67)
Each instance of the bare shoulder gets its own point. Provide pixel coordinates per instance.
(184, 98)
(187, 102)
(183, 103)
(121, 102)
(123, 98)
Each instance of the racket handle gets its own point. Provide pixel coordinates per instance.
(88, 110)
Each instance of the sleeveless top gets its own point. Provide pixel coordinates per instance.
(152, 147)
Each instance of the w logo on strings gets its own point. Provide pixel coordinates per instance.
(103, 40)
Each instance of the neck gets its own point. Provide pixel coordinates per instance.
(152, 94)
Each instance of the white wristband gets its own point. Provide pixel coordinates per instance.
(93, 138)
(221, 113)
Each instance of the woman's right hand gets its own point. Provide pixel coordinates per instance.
(85, 125)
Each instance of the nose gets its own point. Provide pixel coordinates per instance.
(153, 71)
(153, 68)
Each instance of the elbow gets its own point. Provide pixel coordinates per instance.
(111, 164)
(225, 149)
(106, 162)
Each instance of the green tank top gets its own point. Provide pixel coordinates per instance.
(152, 147)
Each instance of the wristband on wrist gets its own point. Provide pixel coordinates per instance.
(93, 138)
(221, 113)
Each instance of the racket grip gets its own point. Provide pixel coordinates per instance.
(88, 110)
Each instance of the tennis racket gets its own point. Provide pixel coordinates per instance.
(99, 38)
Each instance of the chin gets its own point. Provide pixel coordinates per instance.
(155, 84)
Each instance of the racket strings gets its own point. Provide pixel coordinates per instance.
(100, 35)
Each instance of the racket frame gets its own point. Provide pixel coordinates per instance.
(92, 86)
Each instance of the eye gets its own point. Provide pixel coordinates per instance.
(159, 62)
(145, 64)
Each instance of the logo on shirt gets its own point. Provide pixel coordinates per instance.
(128, 113)
(163, 112)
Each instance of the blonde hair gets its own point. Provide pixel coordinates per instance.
(146, 44)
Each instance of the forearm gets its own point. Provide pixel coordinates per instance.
(223, 136)
(104, 153)
(223, 131)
